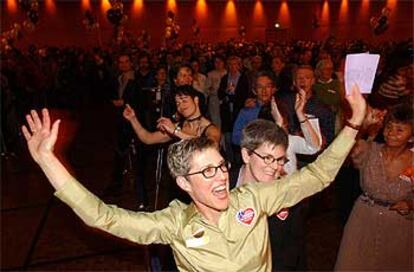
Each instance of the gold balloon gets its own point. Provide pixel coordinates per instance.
(16, 26)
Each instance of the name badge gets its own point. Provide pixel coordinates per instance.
(197, 242)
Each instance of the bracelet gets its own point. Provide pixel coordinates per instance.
(353, 126)
(176, 129)
(304, 120)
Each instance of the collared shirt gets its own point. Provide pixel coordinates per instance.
(123, 82)
(245, 116)
(233, 78)
(240, 240)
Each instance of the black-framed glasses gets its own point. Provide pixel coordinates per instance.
(211, 171)
(270, 159)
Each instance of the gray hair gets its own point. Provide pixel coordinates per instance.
(181, 153)
(262, 131)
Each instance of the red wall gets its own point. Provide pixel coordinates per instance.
(64, 25)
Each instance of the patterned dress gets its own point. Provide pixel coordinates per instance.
(376, 238)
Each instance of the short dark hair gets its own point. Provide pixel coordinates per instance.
(186, 90)
(124, 54)
(301, 67)
(401, 113)
(262, 131)
(264, 74)
(185, 66)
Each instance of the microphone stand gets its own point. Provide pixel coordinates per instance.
(160, 155)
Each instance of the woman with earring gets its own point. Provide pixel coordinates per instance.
(379, 231)
(191, 122)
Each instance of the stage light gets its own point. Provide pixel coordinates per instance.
(201, 9)
(277, 25)
(230, 14)
(258, 14)
(325, 12)
(364, 10)
(12, 6)
(50, 6)
(172, 5)
(391, 4)
(137, 7)
(86, 4)
(105, 5)
(343, 11)
(284, 14)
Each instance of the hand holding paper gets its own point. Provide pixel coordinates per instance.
(360, 69)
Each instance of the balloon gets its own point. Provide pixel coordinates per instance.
(33, 16)
(373, 21)
(124, 18)
(114, 16)
(28, 25)
(385, 11)
(170, 14)
(24, 4)
(118, 5)
(16, 26)
(169, 21)
(34, 5)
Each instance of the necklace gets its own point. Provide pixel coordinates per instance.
(194, 119)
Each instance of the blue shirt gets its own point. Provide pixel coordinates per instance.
(246, 115)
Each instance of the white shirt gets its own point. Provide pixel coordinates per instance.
(302, 145)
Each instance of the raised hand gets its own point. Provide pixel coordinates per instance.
(277, 116)
(165, 125)
(300, 101)
(374, 117)
(403, 207)
(41, 138)
(250, 103)
(128, 112)
(358, 105)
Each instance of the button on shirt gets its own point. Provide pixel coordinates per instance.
(240, 240)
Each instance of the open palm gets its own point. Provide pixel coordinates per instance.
(41, 138)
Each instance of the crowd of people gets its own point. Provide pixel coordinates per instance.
(271, 111)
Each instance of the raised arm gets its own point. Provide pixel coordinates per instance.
(311, 130)
(319, 174)
(143, 228)
(41, 138)
(167, 126)
(144, 135)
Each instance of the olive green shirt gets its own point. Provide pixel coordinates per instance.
(240, 240)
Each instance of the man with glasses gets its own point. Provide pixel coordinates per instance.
(220, 230)
(264, 89)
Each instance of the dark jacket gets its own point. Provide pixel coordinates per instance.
(230, 105)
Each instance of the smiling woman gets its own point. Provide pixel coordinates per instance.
(387, 198)
(191, 123)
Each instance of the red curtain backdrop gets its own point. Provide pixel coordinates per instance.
(61, 22)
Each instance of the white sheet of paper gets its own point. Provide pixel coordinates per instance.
(360, 69)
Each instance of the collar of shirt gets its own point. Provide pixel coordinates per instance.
(190, 214)
(234, 78)
(192, 218)
(325, 82)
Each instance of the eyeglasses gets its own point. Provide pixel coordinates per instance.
(270, 159)
(264, 87)
(211, 171)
